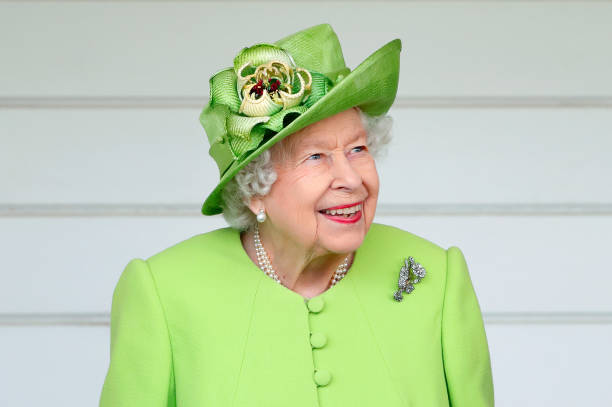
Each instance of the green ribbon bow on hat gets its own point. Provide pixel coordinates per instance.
(261, 90)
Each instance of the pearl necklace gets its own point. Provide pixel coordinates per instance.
(264, 262)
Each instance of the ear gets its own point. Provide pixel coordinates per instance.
(256, 204)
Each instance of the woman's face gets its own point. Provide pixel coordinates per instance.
(325, 195)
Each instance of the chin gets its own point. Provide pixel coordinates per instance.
(343, 241)
(339, 237)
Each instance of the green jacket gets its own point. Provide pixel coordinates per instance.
(199, 325)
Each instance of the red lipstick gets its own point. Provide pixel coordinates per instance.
(353, 218)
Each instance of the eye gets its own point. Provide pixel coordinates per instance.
(316, 156)
(358, 149)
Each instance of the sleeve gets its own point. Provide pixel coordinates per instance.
(140, 372)
(465, 350)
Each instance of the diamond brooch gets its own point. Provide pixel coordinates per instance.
(405, 283)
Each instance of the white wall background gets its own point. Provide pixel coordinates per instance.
(502, 147)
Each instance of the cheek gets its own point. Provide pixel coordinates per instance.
(372, 184)
(369, 175)
(297, 195)
(293, 203)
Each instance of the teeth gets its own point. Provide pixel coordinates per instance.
(344, 211)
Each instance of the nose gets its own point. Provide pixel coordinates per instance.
(344, 174)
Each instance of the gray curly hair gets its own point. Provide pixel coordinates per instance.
(257, 177)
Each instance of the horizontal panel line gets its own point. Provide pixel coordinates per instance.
(69, 319)
(545, 318)
(333, 1)
(181, 102)
(503, 209)
(491, 318)
(175, 210)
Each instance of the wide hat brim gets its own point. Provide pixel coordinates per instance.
(371, 86)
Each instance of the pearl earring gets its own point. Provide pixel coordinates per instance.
(261, 216)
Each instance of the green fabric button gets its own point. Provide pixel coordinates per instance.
(315, 304)
(318, 339)
(322, 377)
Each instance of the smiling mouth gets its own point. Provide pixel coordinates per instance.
(344, 213)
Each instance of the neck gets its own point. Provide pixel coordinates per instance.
(303, 270)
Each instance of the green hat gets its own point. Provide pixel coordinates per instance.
(274, 90)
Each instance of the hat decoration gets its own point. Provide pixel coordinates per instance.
(262, 92)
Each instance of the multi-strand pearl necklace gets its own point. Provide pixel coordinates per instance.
(264, 262)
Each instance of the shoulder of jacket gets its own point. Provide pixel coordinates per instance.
(196, 249)
(394, 238)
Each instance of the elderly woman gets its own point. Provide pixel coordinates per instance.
(303, 301)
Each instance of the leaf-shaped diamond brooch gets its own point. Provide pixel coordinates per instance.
(405, 283)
